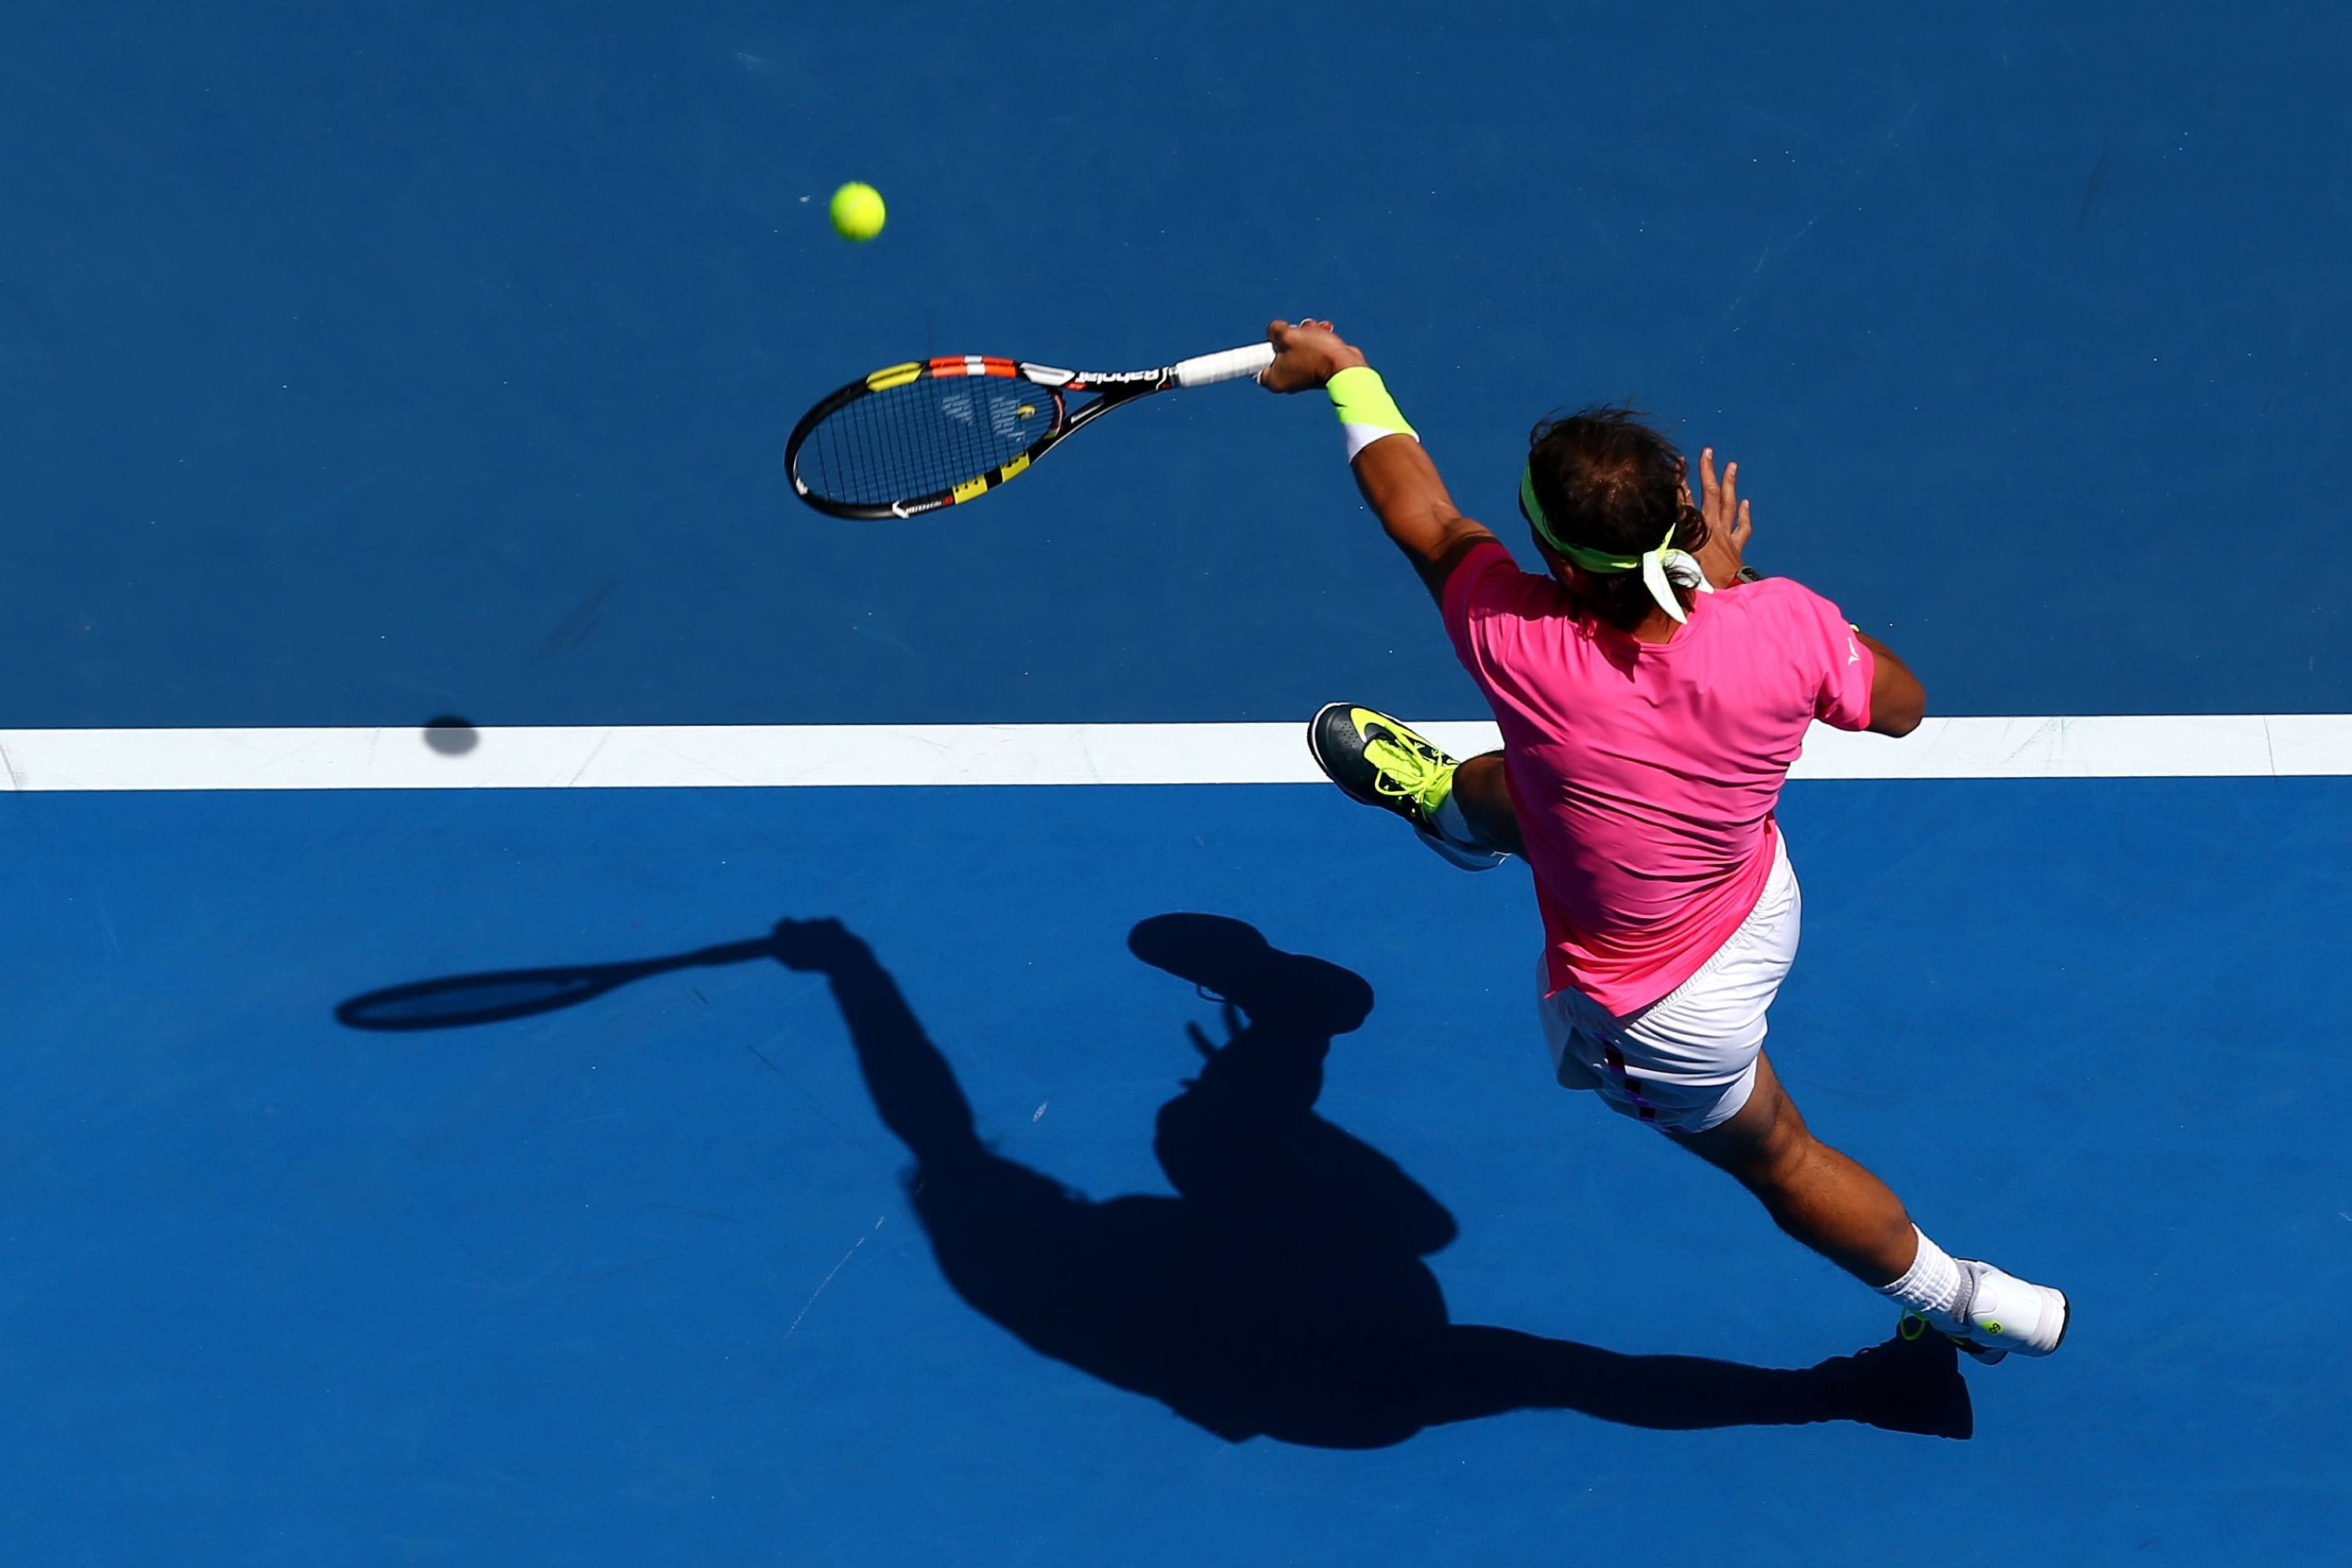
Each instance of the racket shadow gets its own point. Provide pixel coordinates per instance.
(494, 996)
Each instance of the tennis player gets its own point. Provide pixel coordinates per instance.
(1652, 693)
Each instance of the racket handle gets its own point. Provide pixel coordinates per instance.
(1231, 365)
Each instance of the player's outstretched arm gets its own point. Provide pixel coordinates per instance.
(1399, 481)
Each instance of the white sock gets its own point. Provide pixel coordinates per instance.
(1932, 1286)
(1452, 826)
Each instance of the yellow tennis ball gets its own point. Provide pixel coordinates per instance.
(858, 212)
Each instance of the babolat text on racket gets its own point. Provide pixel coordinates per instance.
(928, 434)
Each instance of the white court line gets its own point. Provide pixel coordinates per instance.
(653, 756)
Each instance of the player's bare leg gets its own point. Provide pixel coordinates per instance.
(1823, 1198)
(1834, 1205)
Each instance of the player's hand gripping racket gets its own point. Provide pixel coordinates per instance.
(918, 437)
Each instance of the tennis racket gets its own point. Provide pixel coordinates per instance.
(918, 437)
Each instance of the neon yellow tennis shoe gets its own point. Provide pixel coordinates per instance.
(1378, 760)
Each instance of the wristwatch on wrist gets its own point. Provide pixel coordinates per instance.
(1749, 575)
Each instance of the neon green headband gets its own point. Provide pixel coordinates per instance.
(1660, 568)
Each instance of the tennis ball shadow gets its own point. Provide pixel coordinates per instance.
(1284, 1291)
(451, 735)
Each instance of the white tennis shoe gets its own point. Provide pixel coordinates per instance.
(2005, 1313)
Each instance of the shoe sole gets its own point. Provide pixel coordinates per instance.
(1315, 749)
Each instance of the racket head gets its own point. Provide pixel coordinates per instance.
(913, 437)
(466, 999)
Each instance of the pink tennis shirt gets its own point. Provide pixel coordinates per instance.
(1645, 774)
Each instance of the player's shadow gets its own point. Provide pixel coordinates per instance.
(1283, 1292)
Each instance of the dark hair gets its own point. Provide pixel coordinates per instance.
(1607, 481)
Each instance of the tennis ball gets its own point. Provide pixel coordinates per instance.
(858, 212)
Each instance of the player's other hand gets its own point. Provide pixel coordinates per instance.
(1729, 528)
(1306, 356)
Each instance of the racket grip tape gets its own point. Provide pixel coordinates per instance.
(1231, 365)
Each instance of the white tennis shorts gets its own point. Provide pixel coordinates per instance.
(1688, 1061)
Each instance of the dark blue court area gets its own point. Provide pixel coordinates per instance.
(369, 364)
(640, 1279)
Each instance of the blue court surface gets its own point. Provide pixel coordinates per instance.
(366, 367)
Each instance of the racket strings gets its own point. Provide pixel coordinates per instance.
(929, 435)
